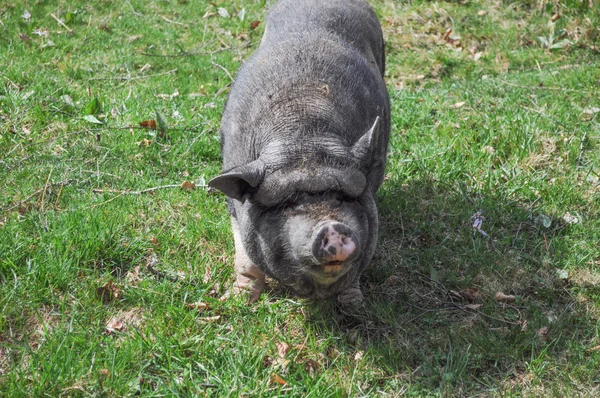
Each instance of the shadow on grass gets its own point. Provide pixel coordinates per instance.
(431, 315)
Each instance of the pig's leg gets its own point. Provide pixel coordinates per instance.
(351, 296)
(248, 276)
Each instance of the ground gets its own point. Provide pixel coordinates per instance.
(114, 256)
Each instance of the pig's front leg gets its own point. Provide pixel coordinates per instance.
(248, 277)
(351, 296)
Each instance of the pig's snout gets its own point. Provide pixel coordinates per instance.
(334, 245)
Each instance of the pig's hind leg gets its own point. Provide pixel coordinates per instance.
(248, 277)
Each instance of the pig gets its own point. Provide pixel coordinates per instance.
(304, 138)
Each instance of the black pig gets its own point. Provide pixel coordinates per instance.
(304, 139)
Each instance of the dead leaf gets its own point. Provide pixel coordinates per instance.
(282, 349)
(311, 366)
(542, 333)
(133, 275)
(24, 37)
(555, 17)
(104, 372)
(457, 105)
(148, 124)
(276, 379)
(471, 294)
(211, 318)
(267, 361)
(254, 24)
(451, 37)
(115, 325)
(503, 330)
(473, 307)
(199, 305)
(591, 111)
(168, 96)
(188, 186)
(503, 298)
(109, 292)
(144, 142)
(223, 12)
(481, 13)
(593, 349)
(359, 355)
(488, 149)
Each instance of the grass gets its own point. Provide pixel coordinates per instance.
(99, 279)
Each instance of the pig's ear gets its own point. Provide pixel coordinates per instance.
(239, 182)
(365, 146)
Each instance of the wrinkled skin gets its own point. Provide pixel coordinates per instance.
(304, 138)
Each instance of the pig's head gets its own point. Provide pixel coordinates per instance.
(313, 225)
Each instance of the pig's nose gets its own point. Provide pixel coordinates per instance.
(335, 244)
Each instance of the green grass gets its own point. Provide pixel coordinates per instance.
(95, 278)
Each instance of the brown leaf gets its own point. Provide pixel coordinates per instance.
(555, 17)
(472, 295)
(199, 305)
(109, 292)
(311, 366)
(276, 379)
(359, 355)
(133, 275)
(104, 372)
(503, 298)
(148, 124)
(188, 186)
(282, 349)
(591, 111)
(267, 361)
(593, 349)
(24, 37)
(144, 142)
(542, 333)
(481, 13)
(211, 318)
(523, 325)
(114, 325)
(473, 306)
(457, 105)
(254, 24)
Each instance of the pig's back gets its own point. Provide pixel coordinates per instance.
(314, 80)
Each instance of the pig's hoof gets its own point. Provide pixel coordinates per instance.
(350, 297)
(251, 290)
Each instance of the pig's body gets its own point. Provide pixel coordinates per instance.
(304, 138)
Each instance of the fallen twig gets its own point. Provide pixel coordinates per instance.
(223, 68)
(128, 192)
(151, 262)
(39, 191)
(45, 189)
(550, 88)
(133, 9)
(127, 78)
(175, 22)
(61, 189)
(61, 23)
(581, 148)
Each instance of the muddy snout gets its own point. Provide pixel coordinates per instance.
(335, 245)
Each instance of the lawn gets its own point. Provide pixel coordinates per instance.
(114, 256)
